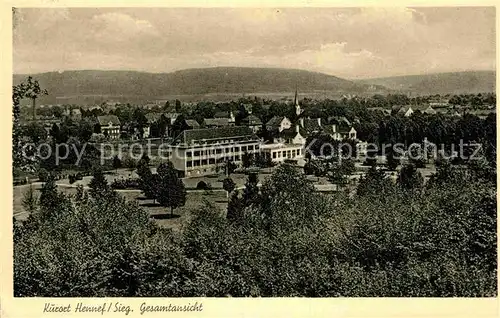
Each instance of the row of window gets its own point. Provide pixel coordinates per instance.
(210, 161)
(289, 154)
(218, 151)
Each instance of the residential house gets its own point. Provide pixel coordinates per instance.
(74, 114)
(110, 126)
(253, 122)
(311, 125)
(199, 152)
(408, 110)
(382, 110)
(448, 112)
(153, 124)
(278, 123)
(248, 108)
(341, 128)
(294, 135)
(229, 115)
(426, 109)
(192, 124)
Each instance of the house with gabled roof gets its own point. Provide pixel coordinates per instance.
(311, 125)
(278, 123)
(110, 126)
(229, 115)
(294, 135)
(192, 124)
(340, 128)
(155, 118)
(426, 109)
(216, 122)
(253, 122)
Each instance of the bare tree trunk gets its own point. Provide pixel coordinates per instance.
(171, 211)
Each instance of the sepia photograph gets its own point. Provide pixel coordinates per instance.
(253, 152)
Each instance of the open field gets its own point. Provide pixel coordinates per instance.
(194, 200)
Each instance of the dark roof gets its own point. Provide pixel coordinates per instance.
(105, 120)
(292, 132)
(404, 109)
(154, 117)
(192, 123)
(248, 107)
(341, 121)
(311, 124)
(275, 121)
(220, 122)
(424, 108)
(344, 129)
(222, 115)
(252, 120)
(206, 134)
(379, 109)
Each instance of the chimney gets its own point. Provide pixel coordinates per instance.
(301, 120)
(334, 128)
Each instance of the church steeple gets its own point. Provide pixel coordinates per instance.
(298, 111)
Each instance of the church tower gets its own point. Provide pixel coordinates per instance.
(298, 111)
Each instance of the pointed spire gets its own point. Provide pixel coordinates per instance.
(296, 100)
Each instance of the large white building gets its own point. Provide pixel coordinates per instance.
(279, 152)
(197, 152)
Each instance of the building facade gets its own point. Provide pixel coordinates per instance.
(199, 152)
(279, 152)
(110, 126)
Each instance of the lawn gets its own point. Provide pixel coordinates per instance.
(194, 200)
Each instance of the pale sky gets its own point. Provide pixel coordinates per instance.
(350, 43)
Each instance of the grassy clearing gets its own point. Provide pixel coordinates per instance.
(194, 200)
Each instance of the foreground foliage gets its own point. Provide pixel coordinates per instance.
(291, 241)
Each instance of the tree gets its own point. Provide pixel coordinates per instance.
(148, 182)
(251, 191)
(178, 106)
(417, 156)
(409, 178)
(392, 161)
(49, 196)
(99, 187)
(117, 163)
(172, 192)
(33, 91)
(235, 207)
(229, 167)
(85, 130)
(339, 172)
(246, 159)
(30, 200)
(144, 160)
(228, 185)
(26, 89)
(35, 132)
(374, 183)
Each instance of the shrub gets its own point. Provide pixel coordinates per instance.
(129, 183)
(43, 175)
